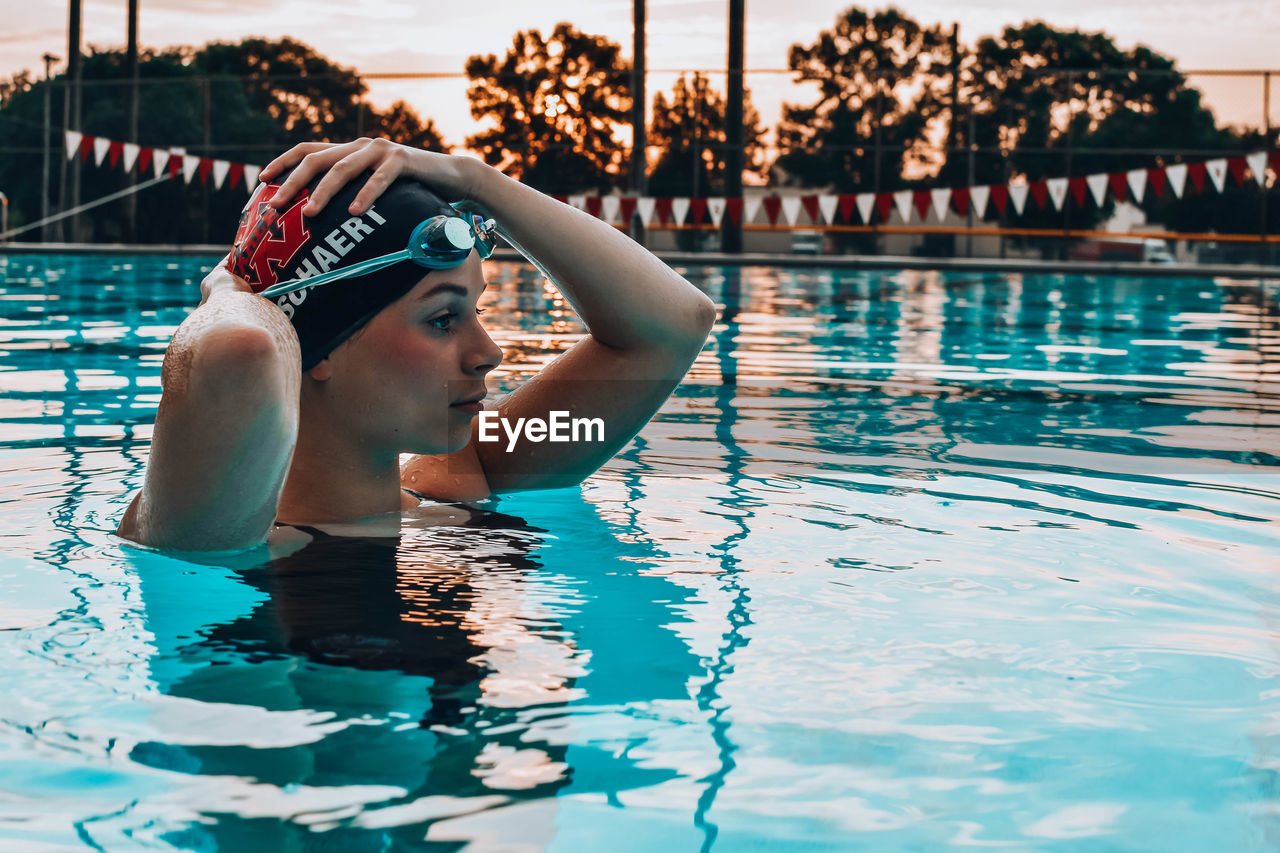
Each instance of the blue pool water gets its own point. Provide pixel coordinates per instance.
(912, 561)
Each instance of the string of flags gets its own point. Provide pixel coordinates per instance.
(175, 161)
(819, 208)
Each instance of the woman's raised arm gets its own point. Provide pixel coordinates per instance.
(646, 323)
(226, 426)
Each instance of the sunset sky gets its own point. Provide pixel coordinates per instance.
(396, 35)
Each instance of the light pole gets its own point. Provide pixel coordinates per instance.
(49, 59)
(639, 136)
(731, 237)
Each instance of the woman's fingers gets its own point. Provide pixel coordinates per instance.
(368, 155)
(388, 170)
(307, 160)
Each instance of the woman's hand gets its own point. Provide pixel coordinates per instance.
(451, 177)
(220, 279)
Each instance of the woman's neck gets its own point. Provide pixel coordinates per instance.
(330, 480)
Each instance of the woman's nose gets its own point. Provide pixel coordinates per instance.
(486, 355)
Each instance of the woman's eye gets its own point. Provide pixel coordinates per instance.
(444, 322)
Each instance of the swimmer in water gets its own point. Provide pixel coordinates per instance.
(343, 331)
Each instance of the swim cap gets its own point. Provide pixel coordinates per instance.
(280, 245)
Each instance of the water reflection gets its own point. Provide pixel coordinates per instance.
(938, 558)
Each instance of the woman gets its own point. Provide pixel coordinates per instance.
(296, 413)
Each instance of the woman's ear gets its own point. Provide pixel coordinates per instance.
(322, 371)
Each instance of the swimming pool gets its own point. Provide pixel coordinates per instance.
(912, 560)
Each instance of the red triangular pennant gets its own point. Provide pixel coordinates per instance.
(884, 204)
(1119, 182)
(1078, 189)
(234, 174)
(205, 165)
(697, 206)
(628, 208)
(846, 208)
(114, 152)
(563, 199)
(810, 203)
(1274, 159)
(1237, 166)
(86, 147)
(1196, 172)
(1000, 196)
(662, 207)
(960, 201)
(772, 204)
(1040, 192)
(175, 165)
(921, 199)
(1156, 179)
(594, 203)
(144, 159)
(734, 206)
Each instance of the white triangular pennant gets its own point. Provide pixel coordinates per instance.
(1137, 183)
(791, 208)
(750, 207)
(941, 201)
(73, 142)
(159, 160)
(610, 206)
(978, 199)
(827, 204)
(1177, 178)
(644, 206)
(219, 172)
(679, 208)
(190, 163)
(578, 201)
(1098, 187)
(1018, 195)
(131, 150)
(1057, 191)
(866, 203)
(1217, 170)
(716, 207)
(903, 201)
(251, 177)
(100, 148)
(1258, 165)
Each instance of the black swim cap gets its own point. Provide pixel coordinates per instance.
(273, 245)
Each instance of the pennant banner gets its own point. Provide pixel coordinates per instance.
(645, 207)
(716, 206)
(827, 207)
(866, 203)
(820, 208)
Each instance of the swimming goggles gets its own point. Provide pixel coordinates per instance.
(439, 243)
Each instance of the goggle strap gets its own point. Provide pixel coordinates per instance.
(353, 271)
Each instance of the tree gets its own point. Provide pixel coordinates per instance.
(878, 81)
(242, 102)
(1056, 103)
(555, 107)
(691, 132)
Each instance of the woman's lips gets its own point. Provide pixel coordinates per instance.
(472, 408)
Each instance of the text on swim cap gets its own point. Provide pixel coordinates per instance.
(340, 240)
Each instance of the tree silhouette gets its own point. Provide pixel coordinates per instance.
(878, 83)
(261, 96)
(691, 133)
(555, 107)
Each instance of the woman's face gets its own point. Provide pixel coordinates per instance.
(398, 381)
